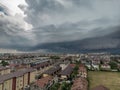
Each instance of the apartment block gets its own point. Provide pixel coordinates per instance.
(4, 70)
(17, 80)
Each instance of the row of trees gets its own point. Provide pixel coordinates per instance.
(75, 72)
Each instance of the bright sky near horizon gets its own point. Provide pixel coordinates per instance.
(13, 5)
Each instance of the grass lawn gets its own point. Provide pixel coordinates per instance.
(108, 79)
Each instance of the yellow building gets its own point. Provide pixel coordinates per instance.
(1, 86)
(4, 70)
(19, 83)
(17, 80)
(25, 79)
(32, 77)
(7, 84)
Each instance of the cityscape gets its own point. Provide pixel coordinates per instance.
(59, 44)
(35, 71)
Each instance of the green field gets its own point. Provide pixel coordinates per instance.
(109, 79)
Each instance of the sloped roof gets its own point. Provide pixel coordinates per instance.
(15, 74)
(43, 81)
(67, 71)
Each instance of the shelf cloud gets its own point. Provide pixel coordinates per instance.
(41, 22)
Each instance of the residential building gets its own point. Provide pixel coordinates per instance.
(80, 84)
(95, 67)
(82, 71)
(52, 71)
(43, 83)
(17, 80)
(4, 70)
(105, 67)
(65, 74)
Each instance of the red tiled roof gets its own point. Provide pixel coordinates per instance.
(82, 68)
(72, 65)
(43, 81)
(80, 84)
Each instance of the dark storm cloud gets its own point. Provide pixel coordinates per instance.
(65, 14)
(90, 24)
(108, 41)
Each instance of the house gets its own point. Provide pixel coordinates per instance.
(41, 65)
(96, 61)
(65, 74)
(95, 67)
(105, 67)
(43, 83)
(72, 65)
(88, 65)
(80, 84)
(13, 67)
(4, 70)
(52, 71)
(82, 71)
(100, 87)
(63, 66)
(15, 61)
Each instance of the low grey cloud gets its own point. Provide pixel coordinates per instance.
(59, 21)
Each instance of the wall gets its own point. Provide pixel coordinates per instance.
(7, 85)
(25, 79)
(19, 83)
(1, 85)
(32, 77)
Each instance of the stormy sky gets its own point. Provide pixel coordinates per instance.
(33, 24)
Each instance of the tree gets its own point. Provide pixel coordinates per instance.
(65, 86)
(55, 86)
(4, 63)
(75, 70)
(113, 65)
